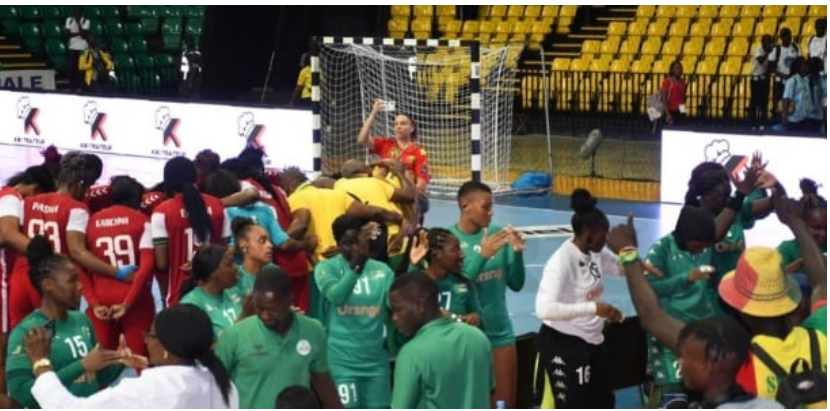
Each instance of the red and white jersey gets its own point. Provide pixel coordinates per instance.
(52, 215)
(10, 204)
(117, 235)
(98, 198)
(171, 226)
(150, 200)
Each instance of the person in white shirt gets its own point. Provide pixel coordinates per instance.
(76, 30)
(817, 45)
(571, 342)
(759, 82)
(185, 373)
(780, 60)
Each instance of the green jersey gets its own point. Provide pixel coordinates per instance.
(445, 365)
(729, 249)
(245, 285)
(262, 363)
(789, 251)
(457, 296)
(684, 300)
(491, 278)
(354, 316)
(73, 339)
(222, 310)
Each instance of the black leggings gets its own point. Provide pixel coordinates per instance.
(578, 371)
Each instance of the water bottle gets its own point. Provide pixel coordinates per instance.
(500, 405)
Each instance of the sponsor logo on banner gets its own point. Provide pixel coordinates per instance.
(169, 127)
(27, 79)
(252, 132)
(29, 118)
(97, 134)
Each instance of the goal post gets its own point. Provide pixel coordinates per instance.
(458, 93)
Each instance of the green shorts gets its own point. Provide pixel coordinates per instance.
(364, 392)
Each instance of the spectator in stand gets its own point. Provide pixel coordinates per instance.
(303, 89)
(817, 45)
(97, 66)
(191, 69)
(76, 29)
(818, 85)
(798, 104)
(674, 95)
(759, 84)
(780, 60)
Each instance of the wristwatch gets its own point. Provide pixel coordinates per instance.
(43, 362)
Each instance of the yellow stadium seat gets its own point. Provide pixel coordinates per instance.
(469, 30)
(616, 28)
(523, 27)
(541, 27)
(766, 26)
(452, 28)
(550, 11)
(658, 28)
(497, 11)
(739, 46)
(580, 65)
(402, 11)
(637, 29)
(661, 66)
(532, 11)
(561, 64)
(729, 11)
(503, 31)
(773, 11)
(423, 11)
(689, 64)
(398, 24)
(515, 11)
(631, 45)
(746, 68)
(567, 11)
(730, 68)
(591, 47)
(715, 47)
(744, 28)
(679, 28)
(700, 29)
(620, 65)
(796, 11)
(818, 11)
(666, 12)
(685, 12)
(721, 29)
(652, 46)
(599, 65)
(707, 11)
(642, 66)
(792, 23)
(751, 11)
(445, 10)
(693, 46)
(646, 11)
(706, 67)
(487, 26)
(610, 45)
(673, 47)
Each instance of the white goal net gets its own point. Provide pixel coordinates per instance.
(430, 83)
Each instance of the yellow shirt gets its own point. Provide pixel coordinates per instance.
(372, 191)
(304, 81)
(325, 206)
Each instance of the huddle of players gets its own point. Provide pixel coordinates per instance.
(121, 235)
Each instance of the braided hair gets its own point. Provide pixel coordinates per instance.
(437, 238)
(42, 260)
(810, 199)
(79, 169)
(723, 338)
(705, 177)
(205, 262)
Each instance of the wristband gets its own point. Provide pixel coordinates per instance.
(736, 202)
(629, 255)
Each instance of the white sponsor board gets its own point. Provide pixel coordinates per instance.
(27, 79)
(790, 159)
(138, 136)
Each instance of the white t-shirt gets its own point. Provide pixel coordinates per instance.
(817, 47)
(76, 42)
(571, 285)
(759, 69)
(788, 54)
